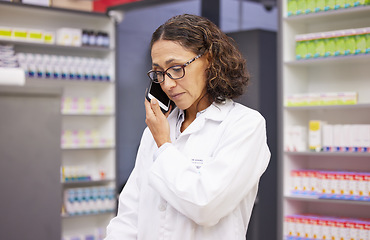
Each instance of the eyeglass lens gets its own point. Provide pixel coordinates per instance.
(175, 72)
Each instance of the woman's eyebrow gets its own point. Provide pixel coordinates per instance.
(167, 62)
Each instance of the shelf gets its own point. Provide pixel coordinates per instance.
(329, 154)
(329, 107)
(88, 148)
(332, 15)
(141, 4)
(67, 81)
(350, 59)
(71, 114)
(57, 47)
(321, 75)
(65, 215)
(87, 183)
(95, 110)
(317, 199)
(30, 91)
(28, 7)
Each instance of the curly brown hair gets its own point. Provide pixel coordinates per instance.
(227, 76)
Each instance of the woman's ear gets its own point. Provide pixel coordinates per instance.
(207, 57)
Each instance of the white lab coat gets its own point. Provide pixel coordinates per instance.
(202, 186)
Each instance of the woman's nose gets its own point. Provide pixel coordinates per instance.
(168, 82)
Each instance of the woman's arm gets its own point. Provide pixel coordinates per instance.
(124, 225)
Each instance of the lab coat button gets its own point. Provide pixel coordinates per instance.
(162, 207)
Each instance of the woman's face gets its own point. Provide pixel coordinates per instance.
(187, 91)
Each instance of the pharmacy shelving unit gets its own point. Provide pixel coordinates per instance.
(99, 159)
(332, 74)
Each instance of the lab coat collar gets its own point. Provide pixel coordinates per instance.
(215, 112)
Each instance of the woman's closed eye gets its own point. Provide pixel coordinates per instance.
(176, 69)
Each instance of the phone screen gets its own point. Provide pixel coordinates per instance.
(156, 91)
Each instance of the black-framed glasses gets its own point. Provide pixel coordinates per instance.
(175, 72)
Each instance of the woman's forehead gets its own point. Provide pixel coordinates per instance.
(168, 46)
(164, 51)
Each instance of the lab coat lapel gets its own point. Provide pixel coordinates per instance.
(172, 120)
(195, 126)
(215, 112)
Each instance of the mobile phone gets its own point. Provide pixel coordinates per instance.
(155, 91)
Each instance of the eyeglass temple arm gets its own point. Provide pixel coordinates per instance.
(192, 60)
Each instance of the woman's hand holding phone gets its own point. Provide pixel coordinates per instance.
(155, 91)
(157, 122)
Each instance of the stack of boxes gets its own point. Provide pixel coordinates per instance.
(7, 56)
(322, 99)
(310, 227)
(344, 185)
(338, 137)
(64, 67)
(298, 7)
(84, 139)
(80, 105)
(324, 137)
(90, 200)
(27, 35)
(332, 44)
(63, 36)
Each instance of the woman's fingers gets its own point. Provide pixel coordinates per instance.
(169, 111)
(148, 109)
(157, 122)
(155, 107)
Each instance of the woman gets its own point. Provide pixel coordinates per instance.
(197, 168)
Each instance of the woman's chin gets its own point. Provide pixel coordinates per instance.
(181, 105)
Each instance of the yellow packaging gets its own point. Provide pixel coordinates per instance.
(20, 34)
(49, 37)
(315, 135)
(5, 33)
(35, 36)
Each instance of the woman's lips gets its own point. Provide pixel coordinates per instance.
(176, 96)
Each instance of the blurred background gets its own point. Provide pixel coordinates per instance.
(72, 85)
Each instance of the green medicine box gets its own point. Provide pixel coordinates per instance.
(292, 7)
(350, 42)
(361, 2)
(329, 5)
(301, 7)
(330, 44)
(367, 40)
(360, 38)
(339, 43)
(319, 5)
(319, 45)
(301, 47)
(349, 3)
(339, 4)
(311, 46)
(310, 6)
